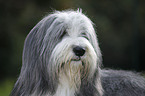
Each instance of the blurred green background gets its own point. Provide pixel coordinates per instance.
(120, 26)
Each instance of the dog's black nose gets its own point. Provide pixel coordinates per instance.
(79, 51)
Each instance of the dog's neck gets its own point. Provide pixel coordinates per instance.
(69, 81)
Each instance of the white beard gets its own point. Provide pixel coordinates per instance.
(69, 79)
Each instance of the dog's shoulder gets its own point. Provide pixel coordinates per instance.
(122, 83)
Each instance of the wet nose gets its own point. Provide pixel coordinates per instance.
(79, 51)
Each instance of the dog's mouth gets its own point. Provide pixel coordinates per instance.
(76, 58)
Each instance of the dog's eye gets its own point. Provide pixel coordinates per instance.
(63, 34)
(84, 35)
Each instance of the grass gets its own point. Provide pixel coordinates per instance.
(6, 87)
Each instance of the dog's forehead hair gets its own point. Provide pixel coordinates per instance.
(75, 22)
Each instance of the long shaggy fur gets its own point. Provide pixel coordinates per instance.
(50, 67)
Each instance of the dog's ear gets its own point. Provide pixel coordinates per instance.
(37, 40)
(35, 57)
(94, 41)
(98, 51)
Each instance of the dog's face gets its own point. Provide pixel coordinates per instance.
(76, 48)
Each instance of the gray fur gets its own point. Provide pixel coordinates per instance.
(122, 83)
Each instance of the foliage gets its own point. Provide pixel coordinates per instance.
(6, 87)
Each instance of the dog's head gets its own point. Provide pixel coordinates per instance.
(63, 43)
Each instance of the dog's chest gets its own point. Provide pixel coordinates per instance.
(69, 83)
(65, 91)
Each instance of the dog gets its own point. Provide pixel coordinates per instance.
(61, 57)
